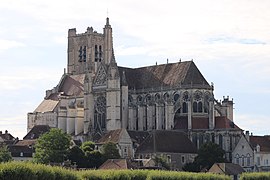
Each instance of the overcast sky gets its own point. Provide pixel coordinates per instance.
(227, 39)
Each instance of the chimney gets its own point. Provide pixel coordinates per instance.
(0, 132)
(6, 131)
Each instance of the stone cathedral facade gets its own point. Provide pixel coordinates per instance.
(96, 95)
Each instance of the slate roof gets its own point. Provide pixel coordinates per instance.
(36, 132)
(138, 136)
(226, 168)
(263, 141)
(221, 122)
(6, 136)
(170, 75)
(165, 141)
(115, 164)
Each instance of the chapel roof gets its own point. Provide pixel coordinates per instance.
(112, 136)
(164, 75)
(167, 142)
(263, 141)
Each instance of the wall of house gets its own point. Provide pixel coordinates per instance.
(243, 154)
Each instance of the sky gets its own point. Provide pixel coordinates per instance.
(228, 40)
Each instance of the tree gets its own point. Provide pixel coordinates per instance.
(5, 155)
(110, 151)
(76, 155)
(91, 157)
(160, 161)
(208, 154)
(52, 146)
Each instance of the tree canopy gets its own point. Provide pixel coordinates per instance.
(52, 146)
(5, 155)
(208, 154)
(110, 151)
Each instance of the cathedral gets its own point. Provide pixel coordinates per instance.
(95, 96)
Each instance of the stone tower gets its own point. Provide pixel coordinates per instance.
(89, 49)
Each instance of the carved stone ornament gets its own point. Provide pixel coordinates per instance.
(101, 77)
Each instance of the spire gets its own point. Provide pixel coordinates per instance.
(124, 80)
(113, 62)
(107, 21)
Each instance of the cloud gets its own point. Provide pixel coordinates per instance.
(258, 124)
(8, 44)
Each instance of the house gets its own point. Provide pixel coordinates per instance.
(6, 138)
(174, 146)
(243, 153)
(229, 169)
(261, 146)
(23, 150)
(122, 140)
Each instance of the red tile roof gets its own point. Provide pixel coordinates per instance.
(221, 122)
(115, 164)
(263, 141)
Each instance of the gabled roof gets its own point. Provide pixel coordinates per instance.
(165, 141)
(221, 122)
(112, 136)
(170, 75)
(6, 136)
(72, 85)
(114, 164)
(226, 168)
(263, 141)
(47, 105)
(37, 131)
(138, 136)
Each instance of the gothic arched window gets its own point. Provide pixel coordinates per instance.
(100, 113)
(197, 102)
(185, 98)
(185, 107)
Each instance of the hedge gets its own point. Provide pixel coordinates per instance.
(255, 176)
(31, 171)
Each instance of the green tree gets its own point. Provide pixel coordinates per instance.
(5, 155)
(110, 151)
(52, 146)
(76, 155)
(161, 161)
(208, 154)
(93, 158)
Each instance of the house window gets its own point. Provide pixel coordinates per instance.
(169, 159)
(258, 161)
(243, 161)
(21, 154)
(266, 162)
(183, 159)
(185, 107)
(237, 159)
(248, 160)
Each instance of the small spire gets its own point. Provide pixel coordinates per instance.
(124, 80)
(107, 21)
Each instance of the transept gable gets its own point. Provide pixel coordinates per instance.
(101, 76)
